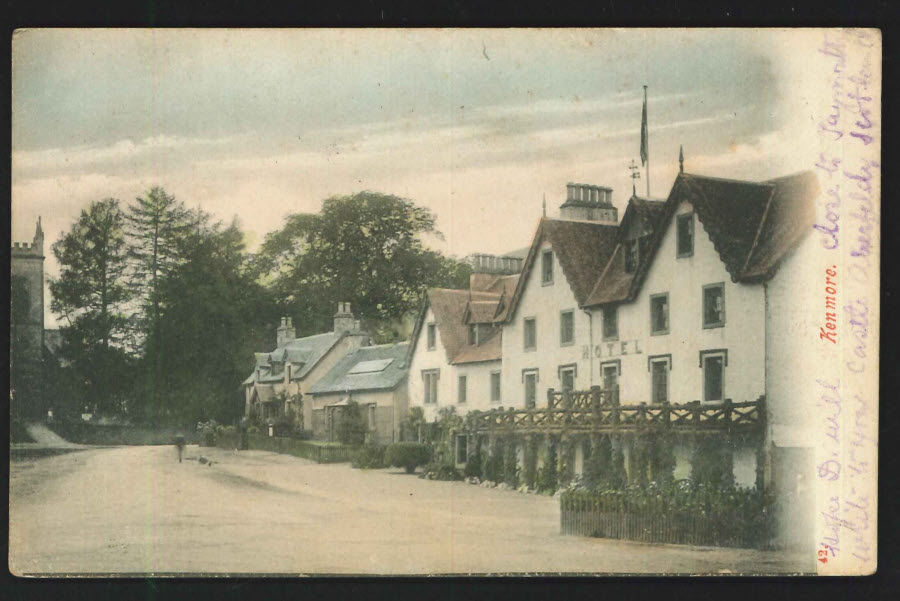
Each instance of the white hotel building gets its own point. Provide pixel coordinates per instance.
(687, 299)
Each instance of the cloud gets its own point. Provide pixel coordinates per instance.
(123, 151)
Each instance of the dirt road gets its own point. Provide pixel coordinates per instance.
(134, 510)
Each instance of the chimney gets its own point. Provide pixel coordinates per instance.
(343, 319)
(586, 202)
(285, 332)
(493, 264)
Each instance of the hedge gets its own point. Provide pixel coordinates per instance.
(408, 455)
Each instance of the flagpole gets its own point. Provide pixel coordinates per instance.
(648, 145)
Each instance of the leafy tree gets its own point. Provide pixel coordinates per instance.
(366, 249)
(213, 320)
(91, 292)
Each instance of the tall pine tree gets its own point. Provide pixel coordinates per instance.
(158, 227)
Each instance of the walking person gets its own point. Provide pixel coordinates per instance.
(179, 442)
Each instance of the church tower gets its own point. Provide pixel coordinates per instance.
(27, 320)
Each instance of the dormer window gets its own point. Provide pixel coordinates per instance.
(547, 267)
(473, 334)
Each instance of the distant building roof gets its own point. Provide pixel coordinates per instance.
(302, 353)
(451, 316)
(264, 393)
(380, 367)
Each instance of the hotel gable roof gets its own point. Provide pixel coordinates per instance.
(583, 248)
(752, 226)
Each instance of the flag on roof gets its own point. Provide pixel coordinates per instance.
(645, 142)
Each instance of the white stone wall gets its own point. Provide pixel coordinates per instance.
(792, 337)
(743, 334)
(424, 359)
(545, 303)
(478, 386)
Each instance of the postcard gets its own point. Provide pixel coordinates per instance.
(444, 302)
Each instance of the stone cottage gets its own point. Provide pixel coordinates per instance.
(373, 377)
(282, 378)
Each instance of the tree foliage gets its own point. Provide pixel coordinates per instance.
(92, 293)
(366, 249)
(214, 310)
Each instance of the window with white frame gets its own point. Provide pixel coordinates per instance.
(529, 330)
(713, 363)
(430, 382)
(659, 314)
(567, 375)
(530, 380)
(567, 328)
(714, 305)
(431, 336)
(610, 372)
(659, 365)
(610, 323)
(461, 391)
(473, 334)
(495, 386)
(547, 267)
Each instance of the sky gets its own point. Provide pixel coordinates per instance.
(477, 125)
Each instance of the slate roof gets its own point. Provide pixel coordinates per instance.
(265, 393)
(304, 353)
(338, 379)
(752, 226)
(583, 249)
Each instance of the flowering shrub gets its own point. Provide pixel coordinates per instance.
(209, 431)
(440, 471)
